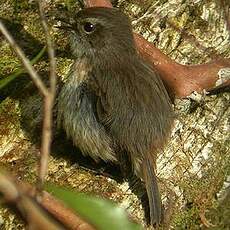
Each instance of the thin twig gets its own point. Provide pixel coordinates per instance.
(49, 94)
(48, 102)
(20, 195)
(50, 47)
(25, 61)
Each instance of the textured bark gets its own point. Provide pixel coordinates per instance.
(194, 165)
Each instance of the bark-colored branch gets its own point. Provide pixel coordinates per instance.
(48, 102)
(103, 3)
(35, 216)
(46, 138)
(29, 209)
(50, 47)
(21, 196)
(64, 214)
(181, 79)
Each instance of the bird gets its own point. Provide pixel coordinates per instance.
(113, 102)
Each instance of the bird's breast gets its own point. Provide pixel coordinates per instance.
(76, 114)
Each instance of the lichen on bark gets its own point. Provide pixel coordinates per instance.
(195, 163)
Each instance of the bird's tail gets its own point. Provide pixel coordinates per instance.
(155, 205)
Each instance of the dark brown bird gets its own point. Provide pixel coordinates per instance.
(113, 102)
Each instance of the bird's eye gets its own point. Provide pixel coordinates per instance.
(88, 27)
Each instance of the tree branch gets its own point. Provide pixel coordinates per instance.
(48, 102)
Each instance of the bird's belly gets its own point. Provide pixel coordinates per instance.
(76, 114)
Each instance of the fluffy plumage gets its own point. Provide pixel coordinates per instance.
(113, 101)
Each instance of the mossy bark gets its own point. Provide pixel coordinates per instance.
(196, 162)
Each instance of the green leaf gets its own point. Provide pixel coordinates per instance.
(11, 77)
(101, 213)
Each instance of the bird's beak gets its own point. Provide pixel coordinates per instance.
(64, 27)
(63, 24)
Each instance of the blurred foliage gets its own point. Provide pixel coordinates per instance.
(6, 80)
(101, 213)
